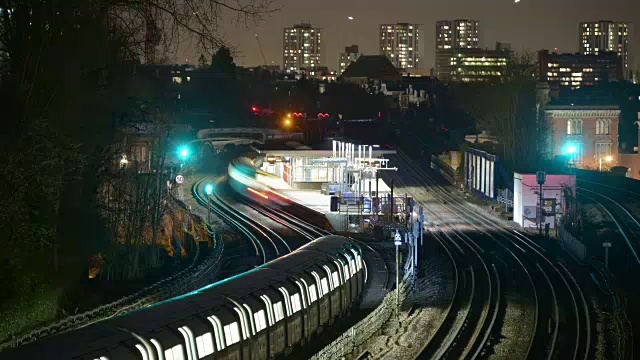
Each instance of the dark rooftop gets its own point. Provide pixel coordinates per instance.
(376, 67)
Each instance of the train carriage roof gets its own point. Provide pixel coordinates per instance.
(191, 307)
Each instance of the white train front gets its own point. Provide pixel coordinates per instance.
(258, 185)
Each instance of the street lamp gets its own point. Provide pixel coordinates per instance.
(184, 152)
(607, 158)
(124, 161)
(571, 149)
(208, 189)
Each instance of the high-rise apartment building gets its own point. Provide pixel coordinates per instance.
(457, 34)
(605, 36)
(400, 43)
(574, 71)
(453, 35)
(301, 44)
(346, 58)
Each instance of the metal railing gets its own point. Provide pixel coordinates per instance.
(505, 196)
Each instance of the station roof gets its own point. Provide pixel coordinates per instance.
(292, 148)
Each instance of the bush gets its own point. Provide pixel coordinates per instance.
(619, 170)
(32, 311)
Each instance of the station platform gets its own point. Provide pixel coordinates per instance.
(313, 199)
(317, 201)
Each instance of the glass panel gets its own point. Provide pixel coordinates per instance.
(177, 352)
(295, 303)
(168, 355)
(325, 286)
(336, 279)
(313, 296)
(260, 319)
(205, 345)
(232, 333)
(278, 311)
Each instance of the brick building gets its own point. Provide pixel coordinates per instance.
(587, 134)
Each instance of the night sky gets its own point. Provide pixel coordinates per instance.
(529, 24)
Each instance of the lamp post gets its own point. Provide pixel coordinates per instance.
(208, 189)
(183, 153)
(124, 161)
(607, 158)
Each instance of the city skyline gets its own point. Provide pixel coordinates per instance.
(514, 24)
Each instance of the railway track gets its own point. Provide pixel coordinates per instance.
(624, 220)
(264, 242)
(618, 204)
(475, 304)
(552, 291)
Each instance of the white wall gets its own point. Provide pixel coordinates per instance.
(526, 195)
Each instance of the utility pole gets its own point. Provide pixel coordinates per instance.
(421, 213)
(391, 204)
(541, 177)
(208, 190)
(377, 180)
(397, 239)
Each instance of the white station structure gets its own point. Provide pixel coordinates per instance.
(345, 170)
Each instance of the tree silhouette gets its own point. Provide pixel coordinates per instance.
(202, 61)
(222, 62)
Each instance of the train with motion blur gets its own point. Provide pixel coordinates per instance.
(245, 179)
(264, 313)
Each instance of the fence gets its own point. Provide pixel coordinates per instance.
(572, 245)
(366, 328)
(505, 196)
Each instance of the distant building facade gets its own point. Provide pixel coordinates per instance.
(400, 43)
(474, 65)
(605, 36)
(477, 65)
(575, 71)
(452, 35)
(349, 56)
(302, 48)
(585, 134)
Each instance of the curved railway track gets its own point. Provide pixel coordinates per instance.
(615, 202)
(266, 243)
(624, 220)
(554, 293)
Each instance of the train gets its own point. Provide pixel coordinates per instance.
(262, 314)
(245, 179)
